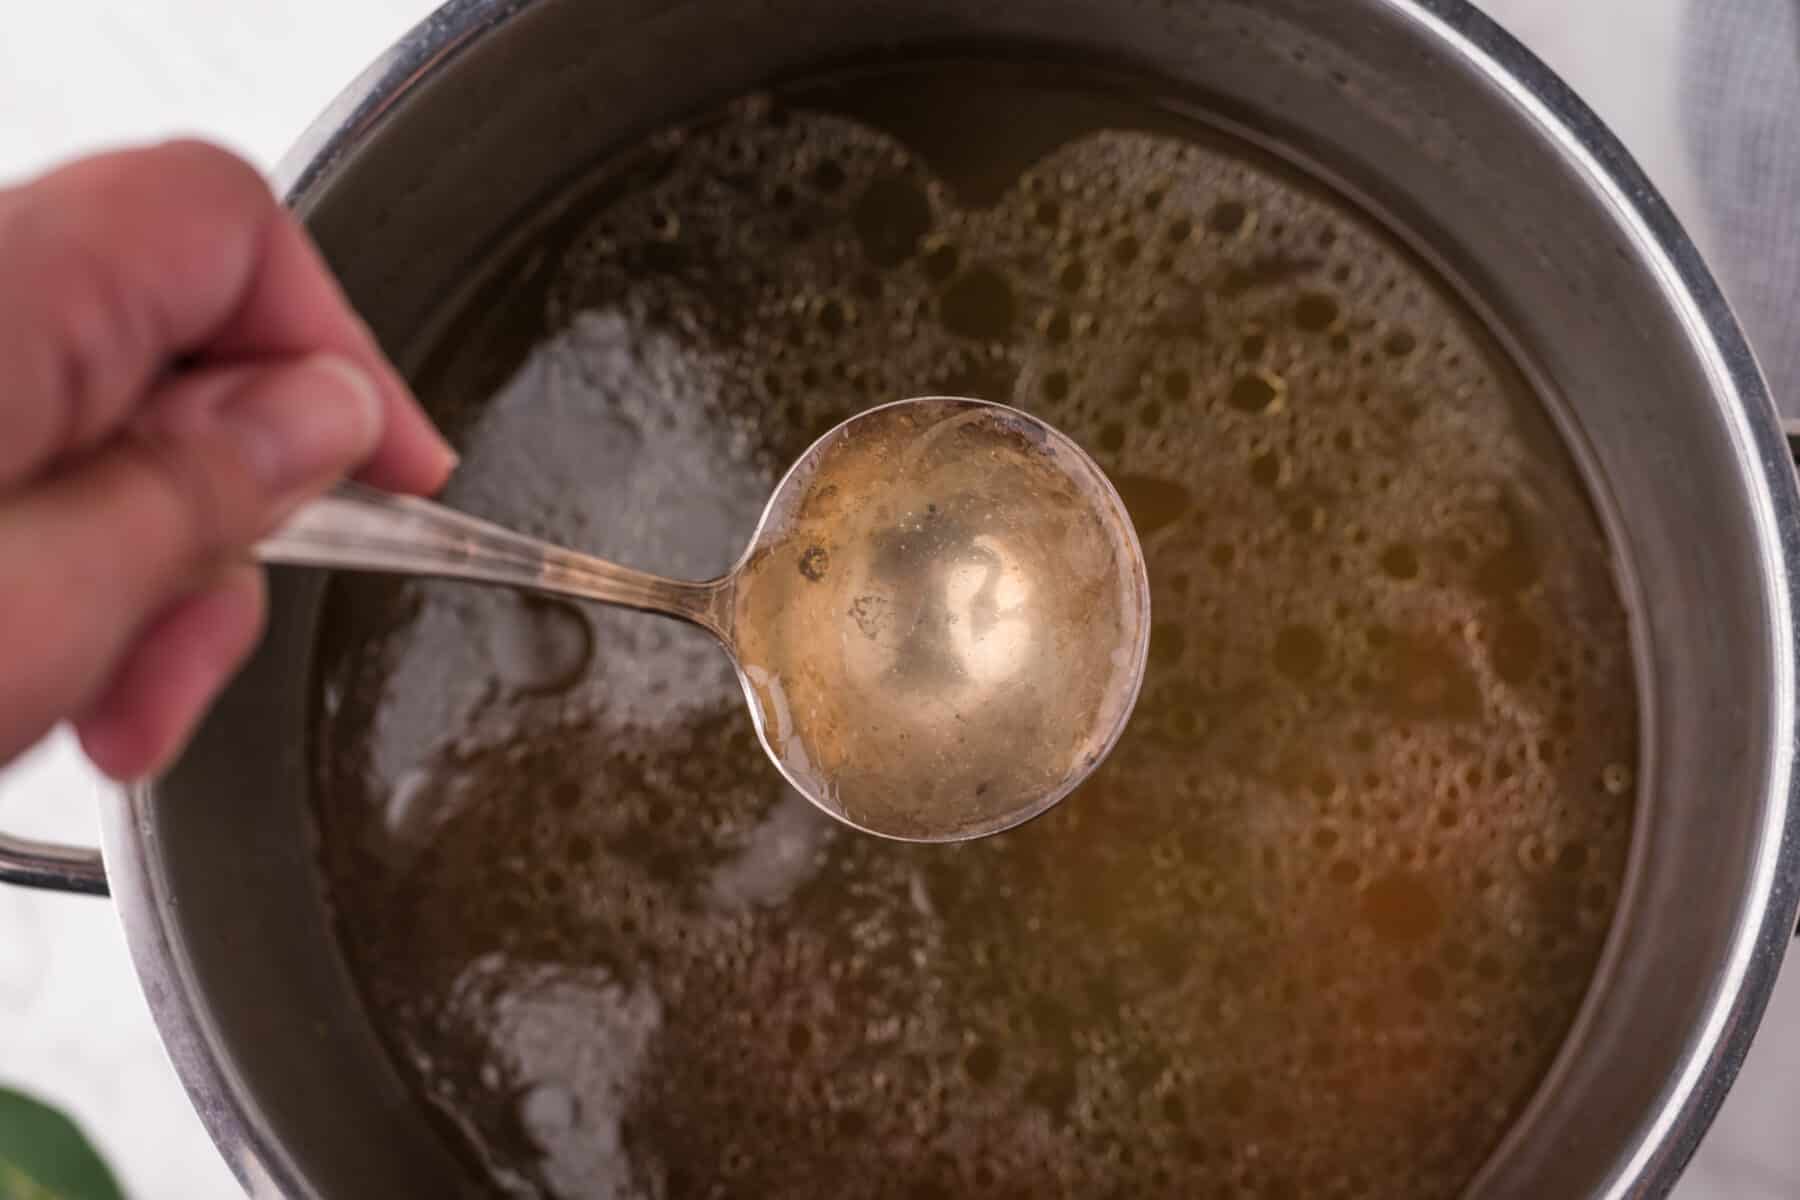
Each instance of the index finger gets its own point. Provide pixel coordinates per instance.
(116, 267)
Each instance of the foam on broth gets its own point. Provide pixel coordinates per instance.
(1317, 926)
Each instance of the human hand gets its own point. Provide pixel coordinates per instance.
(178, 370)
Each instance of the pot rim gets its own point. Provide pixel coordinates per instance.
(1761, 935)
(1710, 1062)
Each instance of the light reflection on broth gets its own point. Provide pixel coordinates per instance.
(1317, 926)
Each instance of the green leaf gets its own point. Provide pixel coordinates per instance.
(43, 1155)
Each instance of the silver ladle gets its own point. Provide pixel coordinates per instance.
(940, 622)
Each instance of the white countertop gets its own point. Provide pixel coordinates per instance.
(81, 74)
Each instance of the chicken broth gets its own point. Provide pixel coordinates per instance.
(1318, 925)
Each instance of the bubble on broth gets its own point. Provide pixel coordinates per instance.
(1315, 928)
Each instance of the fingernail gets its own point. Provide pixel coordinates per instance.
(451, 458)
(307, 423)
(448, 458)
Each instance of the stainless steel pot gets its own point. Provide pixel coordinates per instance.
(1437, 119)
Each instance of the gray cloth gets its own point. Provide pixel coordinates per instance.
(1740, 106)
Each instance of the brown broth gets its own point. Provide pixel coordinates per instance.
(1315, 929)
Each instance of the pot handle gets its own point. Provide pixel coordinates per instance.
(51, 867)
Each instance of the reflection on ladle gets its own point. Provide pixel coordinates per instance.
(940, 622)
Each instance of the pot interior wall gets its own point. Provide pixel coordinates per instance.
(1359, 90)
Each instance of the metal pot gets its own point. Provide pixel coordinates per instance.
(1423, 109)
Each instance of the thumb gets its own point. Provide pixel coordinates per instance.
(92, 555)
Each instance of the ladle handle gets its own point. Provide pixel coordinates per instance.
(359, 528)
(50, 866)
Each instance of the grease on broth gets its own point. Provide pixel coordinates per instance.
(1317, 926)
